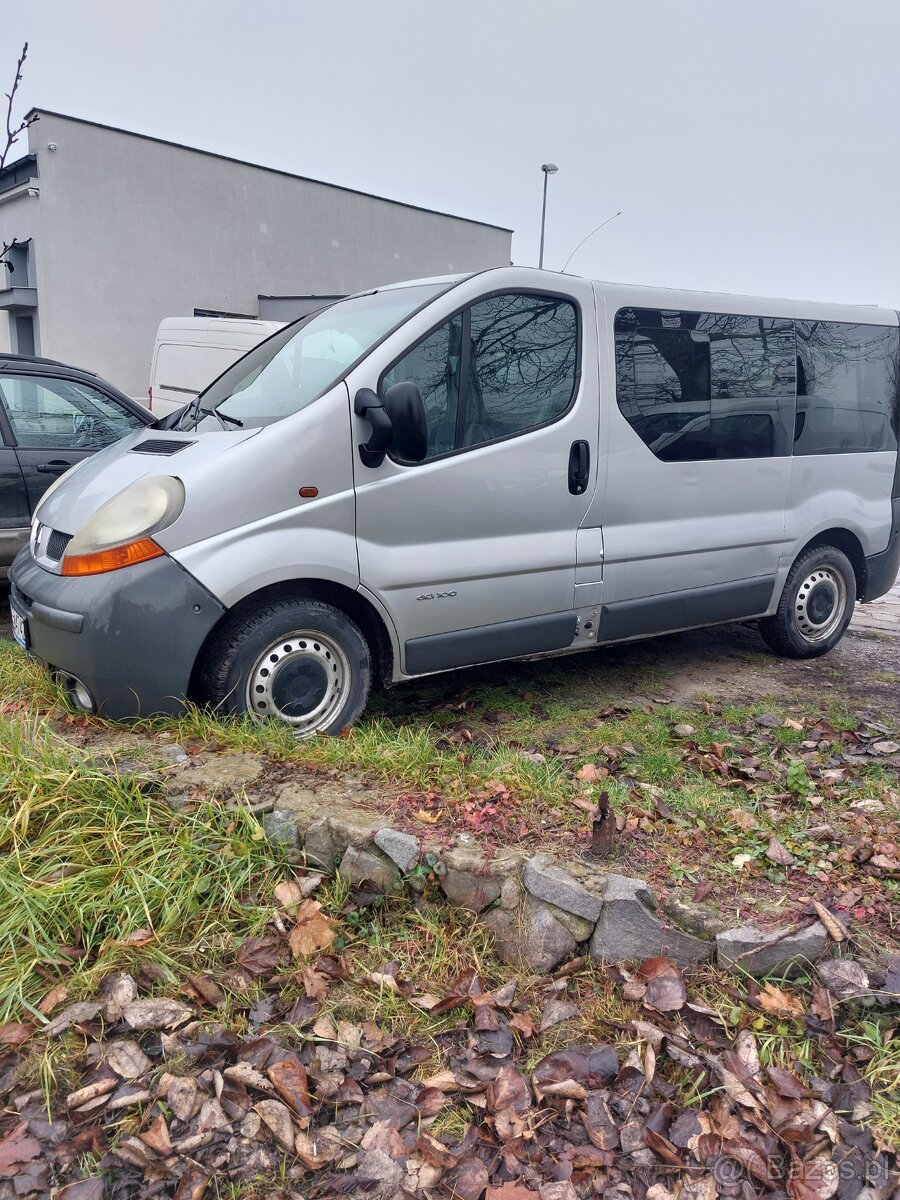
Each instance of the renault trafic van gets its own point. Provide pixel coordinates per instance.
(460, 470)
(190, 352)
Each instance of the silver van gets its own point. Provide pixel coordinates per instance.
(461, 470)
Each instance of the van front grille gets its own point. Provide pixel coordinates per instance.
(159, 446)
(56, 544)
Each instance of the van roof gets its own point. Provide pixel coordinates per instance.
(196, 325)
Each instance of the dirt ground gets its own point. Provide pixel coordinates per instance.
(731, 663)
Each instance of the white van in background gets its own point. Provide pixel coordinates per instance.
(191, 352)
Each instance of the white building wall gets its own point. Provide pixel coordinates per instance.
(133, 230)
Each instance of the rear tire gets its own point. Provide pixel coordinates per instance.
(302, 662)
(815, 607)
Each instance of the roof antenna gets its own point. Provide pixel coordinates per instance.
(590, 235)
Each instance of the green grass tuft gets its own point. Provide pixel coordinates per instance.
(87, 858)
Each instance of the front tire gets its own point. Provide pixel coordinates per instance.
(302, 662)
(815, 607)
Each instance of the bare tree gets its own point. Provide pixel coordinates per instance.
(13, 132)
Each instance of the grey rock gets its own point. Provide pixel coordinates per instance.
(843, 977)
(328, 837)
(629, 930)
(365, 866)
(469, 881)
(401, 848)
(555, 885)
(321, 846)
(305, 804)
(546, 941)
(579, 927)
(281, 830)
(504, 925)
(693, 917)
(760, 951)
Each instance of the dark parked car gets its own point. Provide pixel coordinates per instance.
(51, 417)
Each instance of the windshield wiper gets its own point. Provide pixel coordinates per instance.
(223, 417)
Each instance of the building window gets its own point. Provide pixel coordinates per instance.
(23, 325)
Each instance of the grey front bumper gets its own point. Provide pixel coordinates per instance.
(131, 636)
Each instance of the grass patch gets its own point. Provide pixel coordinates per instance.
(87, 860)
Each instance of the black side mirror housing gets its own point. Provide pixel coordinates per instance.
(406, 412)
(368, 404)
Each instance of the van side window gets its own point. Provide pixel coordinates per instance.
(523, 364)
(847, 388)
(504, 366)
(699, 386)
(433, 366)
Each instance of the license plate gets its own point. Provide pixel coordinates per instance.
(19, 628)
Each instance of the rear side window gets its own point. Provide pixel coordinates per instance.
(506, 365)
(846, 388)
(698, 386)
(63, 414)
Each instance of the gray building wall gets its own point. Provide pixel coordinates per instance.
(128, 230)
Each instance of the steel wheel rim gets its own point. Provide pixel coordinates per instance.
(302, 679)
(820, 604)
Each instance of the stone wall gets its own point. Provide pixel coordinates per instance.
(539, 912)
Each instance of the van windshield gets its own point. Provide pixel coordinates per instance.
(298, 364)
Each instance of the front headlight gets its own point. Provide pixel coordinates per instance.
(119, 532)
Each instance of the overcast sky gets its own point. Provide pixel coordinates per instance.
(752, 145)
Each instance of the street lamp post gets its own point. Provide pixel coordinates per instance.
(548, 169)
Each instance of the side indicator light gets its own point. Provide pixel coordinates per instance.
(308, 492)
(111, 560)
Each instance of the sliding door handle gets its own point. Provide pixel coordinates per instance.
(579, 467)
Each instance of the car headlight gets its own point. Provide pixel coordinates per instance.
(120, 532)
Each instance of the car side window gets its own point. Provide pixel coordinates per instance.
(64, 414)
(504, 366)
(433, 366)
(523, 364)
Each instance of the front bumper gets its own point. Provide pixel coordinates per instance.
(131, 636)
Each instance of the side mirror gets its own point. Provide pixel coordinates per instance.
(368, 404)
(406, 412)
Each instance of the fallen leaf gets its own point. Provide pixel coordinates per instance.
(778, 853)
(885, 747)
(127, 1059)
(510, 1191)
(277, 1117)
(53, 999)
(16, 1150)
(590, 773)
(557, 1011)
(313, 931)
(14, 1033)
(83, 1010)
(86, 1189)
(774, 1000)
(156, 1013)
(831, 923)
(287, 895)
(290, 1080)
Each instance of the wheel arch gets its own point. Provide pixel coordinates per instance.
(358, 607)
(842, 539)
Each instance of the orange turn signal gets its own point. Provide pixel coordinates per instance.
(111, 560)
